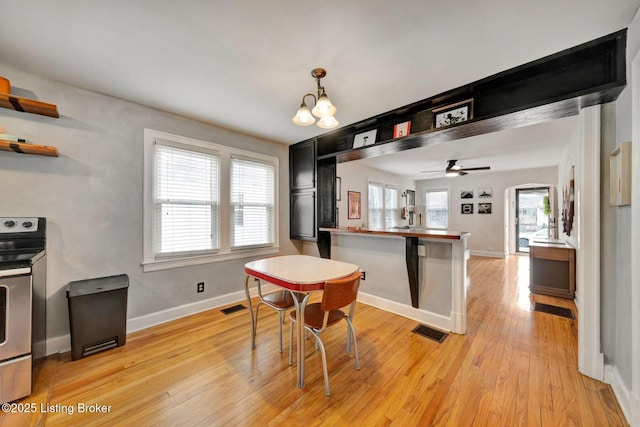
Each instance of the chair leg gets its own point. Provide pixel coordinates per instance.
(348, 339)
(255, 326)
(324, 363)
(280, 328)
(291, 343)
(355, 343)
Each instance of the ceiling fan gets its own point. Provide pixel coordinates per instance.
(456, 170)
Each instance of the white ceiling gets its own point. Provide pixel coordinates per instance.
(245, 64)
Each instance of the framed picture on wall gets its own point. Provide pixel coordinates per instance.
(453, 114)
(484, 208)
(354, 204)
(485, 193)
(365, 138)
(466, 194)
(466, 208)
(401, 129)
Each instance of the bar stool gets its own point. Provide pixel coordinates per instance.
(279, 301)
(319, 316)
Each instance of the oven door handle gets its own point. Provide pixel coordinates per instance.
(15, 272)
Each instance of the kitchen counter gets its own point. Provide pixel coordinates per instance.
(550, 243)
(419, 232)
(437, 297)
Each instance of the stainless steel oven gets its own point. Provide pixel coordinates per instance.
(22, 304)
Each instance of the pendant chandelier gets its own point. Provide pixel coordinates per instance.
(324, 110)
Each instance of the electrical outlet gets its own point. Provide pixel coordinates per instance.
(200, 287)
(363, 275)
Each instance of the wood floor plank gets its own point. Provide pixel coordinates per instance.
(513, 367)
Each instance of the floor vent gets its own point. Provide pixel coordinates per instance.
(430, 333)
(552, 309)
(233, 309)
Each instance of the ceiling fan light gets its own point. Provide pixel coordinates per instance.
(328, 122)
(303, 117)
(324, 107)
(450, 173)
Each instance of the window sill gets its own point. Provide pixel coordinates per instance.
(157, 265)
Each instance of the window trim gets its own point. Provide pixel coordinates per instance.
(426, 211)
(150, 262)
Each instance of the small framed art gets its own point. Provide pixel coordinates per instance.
(401, 129)
(466, 194)
(485, 193)
(453, 114)
(354, 204)
(484, 208)
(466, 208)
(365, 138)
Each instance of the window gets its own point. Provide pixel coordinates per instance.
(186, 189)
(205, 202)
(437, 208)
(252, 186)
(383, 205)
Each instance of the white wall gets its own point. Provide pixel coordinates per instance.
(92, 195)
(616, 237)
(487, 230)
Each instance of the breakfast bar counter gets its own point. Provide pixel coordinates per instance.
(408, 231)
(435, 274)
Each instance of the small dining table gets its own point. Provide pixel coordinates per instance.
(300, 275)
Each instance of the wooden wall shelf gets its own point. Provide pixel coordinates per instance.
(26, 105)
(24, 148)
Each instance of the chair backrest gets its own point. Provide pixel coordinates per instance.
(341, 292)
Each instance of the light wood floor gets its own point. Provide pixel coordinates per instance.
(513, 367)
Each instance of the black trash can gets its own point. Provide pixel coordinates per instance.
(97, 314)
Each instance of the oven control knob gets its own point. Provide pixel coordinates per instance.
(10, 224)
(27, 224)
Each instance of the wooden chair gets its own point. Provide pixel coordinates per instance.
(279, 301)
(319, 316)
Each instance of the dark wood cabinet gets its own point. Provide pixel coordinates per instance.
(552, 269)
(303, 224)
(302, 165)
(302, 190)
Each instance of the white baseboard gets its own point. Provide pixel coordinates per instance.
(625, 397)
(489, 254)
(428, 318)
(62, 343)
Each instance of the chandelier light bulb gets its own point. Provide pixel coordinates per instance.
(324, 107)
(303, 117)
(328, 122)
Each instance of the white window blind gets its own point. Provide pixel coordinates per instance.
(186, 201)
(252, 203)
(376, 205)
(383, 205)
(390, 206)
(437, 208)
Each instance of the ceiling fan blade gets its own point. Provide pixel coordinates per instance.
(440, 171)
(462, 172)
(482, 168)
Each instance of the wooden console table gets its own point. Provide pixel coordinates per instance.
(552, 269)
